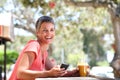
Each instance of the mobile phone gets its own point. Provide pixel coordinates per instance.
(63, 65)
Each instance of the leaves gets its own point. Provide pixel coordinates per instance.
(11, 57)
(33, 3)
(69, 20)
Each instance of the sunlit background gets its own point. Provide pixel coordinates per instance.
(81, 32)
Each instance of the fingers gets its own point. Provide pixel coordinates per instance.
(60, 73)
(57, 71)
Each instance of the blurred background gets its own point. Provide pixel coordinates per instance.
(81, 32)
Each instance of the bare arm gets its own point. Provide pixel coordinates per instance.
(23, 71)
(25, 63)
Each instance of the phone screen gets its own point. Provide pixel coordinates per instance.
(64, 66)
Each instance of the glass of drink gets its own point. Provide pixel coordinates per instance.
(83, 69)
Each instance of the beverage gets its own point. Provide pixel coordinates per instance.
(83, 69)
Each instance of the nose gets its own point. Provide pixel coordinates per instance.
(49, 32)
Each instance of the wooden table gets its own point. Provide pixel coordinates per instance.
(91, 77)
(68, 78)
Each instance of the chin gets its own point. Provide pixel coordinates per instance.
(49, 42)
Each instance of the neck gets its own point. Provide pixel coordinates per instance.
(44, 47)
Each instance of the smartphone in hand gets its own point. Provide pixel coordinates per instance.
(63, 65)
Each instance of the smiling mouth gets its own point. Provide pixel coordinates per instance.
(48, 37)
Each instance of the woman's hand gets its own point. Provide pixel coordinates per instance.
(57, 72)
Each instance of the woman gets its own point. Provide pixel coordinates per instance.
(33, 62)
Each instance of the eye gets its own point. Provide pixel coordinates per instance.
(52, 30)
(44, 30)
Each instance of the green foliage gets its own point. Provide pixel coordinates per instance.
(69, 20)
(33, 3)
(73, 59)
(93, 45)
(116, 1)
(11, 57)
(103, 63)
(1, 57)
(2, 2)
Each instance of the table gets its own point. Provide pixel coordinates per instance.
(68, 78)
(90, 77)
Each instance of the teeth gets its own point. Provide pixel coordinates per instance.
(48, 37)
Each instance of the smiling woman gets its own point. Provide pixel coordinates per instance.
(33, 61)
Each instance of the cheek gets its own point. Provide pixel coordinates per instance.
(39, 34)
(54, 34)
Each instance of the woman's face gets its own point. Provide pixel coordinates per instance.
(46, 32)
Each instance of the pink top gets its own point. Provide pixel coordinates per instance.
(39, 62)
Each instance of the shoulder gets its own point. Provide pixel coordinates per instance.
(32, 45)
(33, 42)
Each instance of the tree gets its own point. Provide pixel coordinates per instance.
(23, 19)
(69, 19)
(88, 46)
(114, 10)
(113, 7)
(1, 4)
